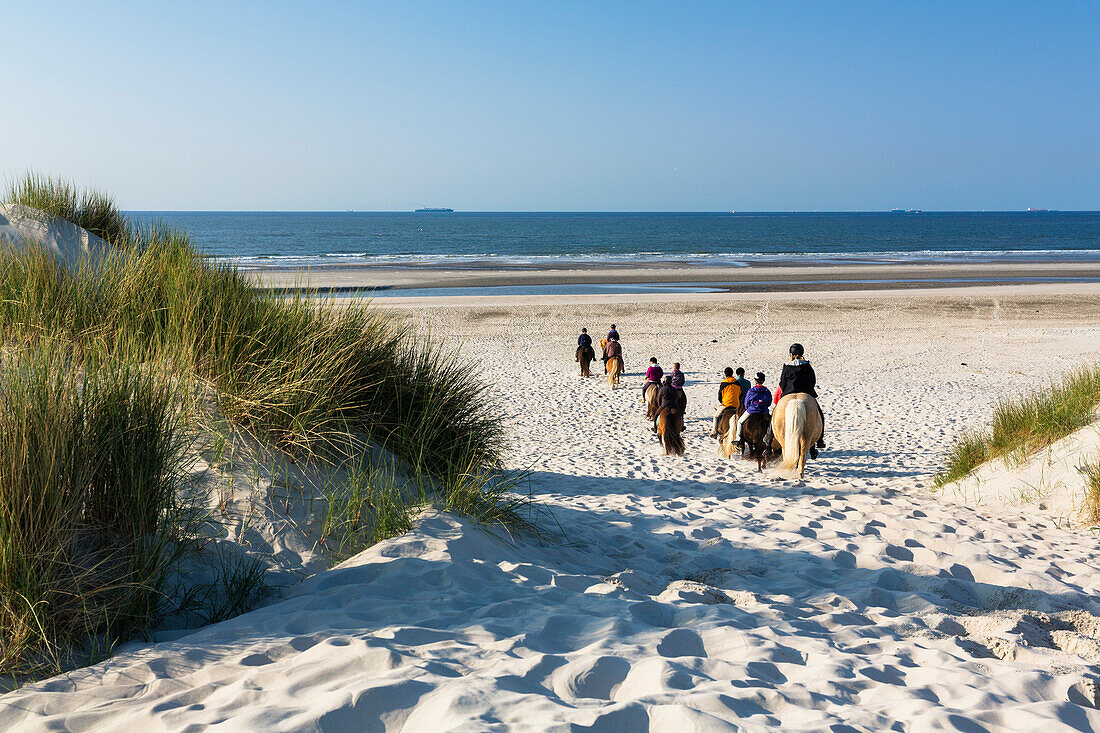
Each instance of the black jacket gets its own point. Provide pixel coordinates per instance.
(798, 378)
(669, 396)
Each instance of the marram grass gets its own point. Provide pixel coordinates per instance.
(91, 515)
(1028, 424)
(87, 208)
(96, 411)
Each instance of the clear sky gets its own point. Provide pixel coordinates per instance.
(635, 106)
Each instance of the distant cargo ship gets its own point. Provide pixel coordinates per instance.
(428, 210)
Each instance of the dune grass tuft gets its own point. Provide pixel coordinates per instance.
(1091, 507)
(87, 208)
(91, 515)
(1021, 427)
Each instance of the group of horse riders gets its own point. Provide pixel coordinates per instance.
(735, 394)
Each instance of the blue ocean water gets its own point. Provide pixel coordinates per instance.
(461, 239)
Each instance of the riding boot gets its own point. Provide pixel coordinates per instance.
(821, 440)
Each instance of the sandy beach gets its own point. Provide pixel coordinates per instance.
(678, 594)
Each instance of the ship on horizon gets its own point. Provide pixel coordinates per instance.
(431, 210)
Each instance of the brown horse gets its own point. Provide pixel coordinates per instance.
(614, 370)
(586, 355)
(796, 426)
(753, 432)
(651, 407)
(670, 425)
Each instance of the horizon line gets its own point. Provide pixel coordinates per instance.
(911, 212)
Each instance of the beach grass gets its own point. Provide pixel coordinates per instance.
(1091, 505)
(1025, 425)
(87, 208)
(100, 410)
(305, 373)
(92, 518)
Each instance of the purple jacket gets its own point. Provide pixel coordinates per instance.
(758, 399)
(677, 378)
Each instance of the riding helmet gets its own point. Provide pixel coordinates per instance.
(797, 350)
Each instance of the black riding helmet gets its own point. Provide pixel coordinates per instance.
(797, 350)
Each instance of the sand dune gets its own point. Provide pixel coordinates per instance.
(63, 239)
(679, 594)
(1049, 482)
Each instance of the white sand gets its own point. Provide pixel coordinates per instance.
(682, 593)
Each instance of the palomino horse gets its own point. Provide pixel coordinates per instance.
(603, 348)
(614, 370)
(796, 426)
(670, 423)
(651, 392)
(585, 355)
(753, 432)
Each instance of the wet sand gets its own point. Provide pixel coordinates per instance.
(754, 278)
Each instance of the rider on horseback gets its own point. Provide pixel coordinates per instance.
(678, 382)
(798, 376)
(652, 375)
(757, 402)
(612, 335)
(745, 384)
(729, 396)
(584, 341)
(668, 398)
(614, 350)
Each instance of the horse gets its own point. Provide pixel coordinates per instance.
(670, 425)
(603, 348)
(614, 369)
(586, 355)
(651, 407)
(753, 432)
(728, 416)
(796, 426)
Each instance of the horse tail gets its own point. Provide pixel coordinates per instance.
(725, 444)
(651, 402)
(668, 429)
(794, 447)
(614, 369)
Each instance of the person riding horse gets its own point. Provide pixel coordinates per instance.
(757, 402)
(652, 375)
(613, 334)
(730, 396)
(584, 341)
(614, 350)
(798, 377)
(669, 397)
(678, 382)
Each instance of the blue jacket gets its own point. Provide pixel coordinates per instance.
(584, 340)
(758, 400)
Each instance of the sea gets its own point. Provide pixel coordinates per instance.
(490, 240)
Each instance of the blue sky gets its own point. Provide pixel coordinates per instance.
(559, 106)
